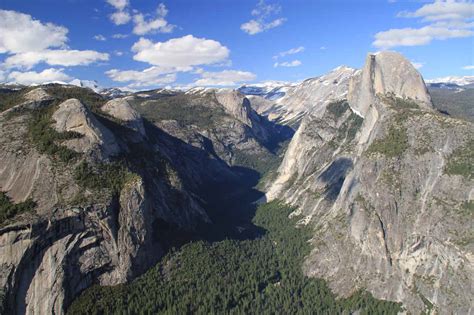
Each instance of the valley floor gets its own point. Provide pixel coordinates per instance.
(259, 275)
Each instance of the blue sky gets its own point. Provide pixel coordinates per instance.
(225, 42)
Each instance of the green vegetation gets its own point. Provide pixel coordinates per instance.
(262, 163)
(467, 208)
(2, 301)
(259, 276)
(348, 130)
(88, 97)
(337, 109)
(46, 139)
(10, 98)
(394, 144)
(8, 209)
(461, 161)
(184, 109)
(459, 104)
(400, 103)
(112, 176)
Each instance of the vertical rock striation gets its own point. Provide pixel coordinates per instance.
(374, 177)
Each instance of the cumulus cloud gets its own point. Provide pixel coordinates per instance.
(58, 57)
(468, 67)
(157, 23)
(119, 36)
(294, 63)
(32, 77)
(118, 4)
(417, 36)
(149, 77)
(27, 41)
(180, 52)
(446, 18)
(264, 18)
(143, 23)
(121, 15)
(443, 10)
(291, 51)
(224, 78)
(21, 33)
(100, 37)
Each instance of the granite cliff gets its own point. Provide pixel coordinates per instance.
(386, 182)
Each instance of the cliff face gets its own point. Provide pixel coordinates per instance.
(386, 184)
(309, 96)
(104, 215)
(218, 121)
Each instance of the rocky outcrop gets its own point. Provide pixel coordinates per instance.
(309, 96)
(387, 73)
(120, 109)
(73, 116)
(220, 121)
(37, 98)
(34, 99)
(80, 235)
(388, 214)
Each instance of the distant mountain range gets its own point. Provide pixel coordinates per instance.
(460, 81)
(375, 164)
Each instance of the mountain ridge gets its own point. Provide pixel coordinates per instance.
(360, 183)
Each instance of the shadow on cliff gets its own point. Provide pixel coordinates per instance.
(225, 192)
(334, 176)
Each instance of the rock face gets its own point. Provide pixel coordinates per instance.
(386, 73)
(310, 96)
(120, 108)
(37, 98)
(389, 211)
(73, 116)
(219, 121)
(78, 236)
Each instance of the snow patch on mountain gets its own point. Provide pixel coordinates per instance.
(461, 81)
(288, 104)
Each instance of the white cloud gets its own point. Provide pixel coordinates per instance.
(143, 23)
(28, 42)
(119, 36)
(33, 77)
(100, 37)
(180, 52)
(446, 18)
(55, 58)
(291, 51)
(323, 48)
(294, 63)
(468, 67)
(156, 24)
(152, 76)
(118, 4)
(118, 53)
(20, 33)
(416, 36)
(443, 10)
(120, 17)
(263, 20)
(417, 65)
(224, 78)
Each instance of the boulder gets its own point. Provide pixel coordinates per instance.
(73, 116)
